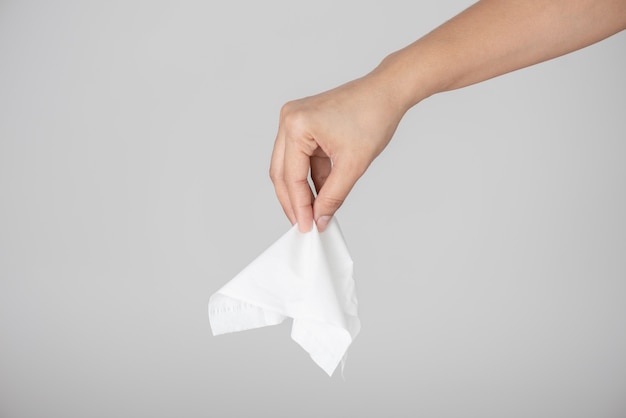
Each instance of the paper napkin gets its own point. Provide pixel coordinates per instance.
(304, 276)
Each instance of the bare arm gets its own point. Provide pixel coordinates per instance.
(338, 133)
(494, 37)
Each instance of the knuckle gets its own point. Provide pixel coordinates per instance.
(299, 184)
(295, 121)
(293, 117)
(275, 176)
(331, 203)
(286, 108)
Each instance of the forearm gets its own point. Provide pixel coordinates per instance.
(494, 37)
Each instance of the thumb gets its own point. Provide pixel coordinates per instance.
(333, 193)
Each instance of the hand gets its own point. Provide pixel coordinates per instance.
(334, 136)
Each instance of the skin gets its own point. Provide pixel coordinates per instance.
(335, 135)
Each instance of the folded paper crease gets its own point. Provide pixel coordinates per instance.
(304, 276)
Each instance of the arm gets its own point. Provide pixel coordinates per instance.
(338, 133)
(494, 37)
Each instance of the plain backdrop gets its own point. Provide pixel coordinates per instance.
(489, 239)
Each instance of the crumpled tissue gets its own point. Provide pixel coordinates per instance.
(304, 276)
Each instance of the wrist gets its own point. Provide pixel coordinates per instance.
(406, 82)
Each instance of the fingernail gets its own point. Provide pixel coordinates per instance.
(302, 229)
(322, 222)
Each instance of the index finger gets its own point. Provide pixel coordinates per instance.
(277, 174)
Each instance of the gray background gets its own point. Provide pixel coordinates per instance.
(489, 239)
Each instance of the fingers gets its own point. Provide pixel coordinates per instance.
(277, 176)
(343, 175)
(289, 169)
(298, 153)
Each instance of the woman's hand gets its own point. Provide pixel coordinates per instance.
(333, 136)
(336, 135)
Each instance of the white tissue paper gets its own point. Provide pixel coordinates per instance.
(304, 276)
